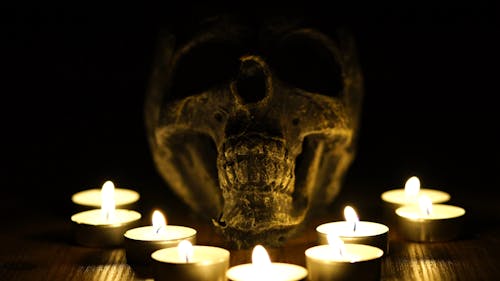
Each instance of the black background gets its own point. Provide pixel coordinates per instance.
(74, 81)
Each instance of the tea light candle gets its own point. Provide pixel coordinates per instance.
(103, 227)
(395, 198)
(263, 269)
(354, 231)
(411, 193)
(141, 242)
(91, 198)
(190, 263)
(339, 261)
(429, 222)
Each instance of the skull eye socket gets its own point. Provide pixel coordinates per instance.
(306, 62)
(205, 66)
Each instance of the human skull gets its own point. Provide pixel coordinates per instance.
(254, 125)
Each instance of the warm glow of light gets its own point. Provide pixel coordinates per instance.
(260, 257)
(412, 187)
(337, 244)
(159, 222)
(108, 200)
(351, 217)
(185, 250)
(425, 204)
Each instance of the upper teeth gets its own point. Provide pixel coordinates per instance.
(258, 164)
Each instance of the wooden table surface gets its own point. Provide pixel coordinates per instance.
(37, 244)
(73, 106)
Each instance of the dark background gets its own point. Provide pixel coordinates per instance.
(74, 81)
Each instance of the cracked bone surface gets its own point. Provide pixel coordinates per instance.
(254, 135)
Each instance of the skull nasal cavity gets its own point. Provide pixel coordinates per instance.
(251, 82)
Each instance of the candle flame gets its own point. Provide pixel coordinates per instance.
(425, 204)
(108, 200)
(185, 250)
(260, 257)
(159, 222)
(336, 244)
(351, 216)
(412, 187)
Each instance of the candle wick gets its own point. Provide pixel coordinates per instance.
(158, 230)
(187, 259)
(354, 228)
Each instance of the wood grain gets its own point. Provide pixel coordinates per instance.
(39, 246)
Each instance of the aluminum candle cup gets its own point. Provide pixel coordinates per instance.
(358, 262)
(443, 223)
(395, 198)
(262, 269)
(141, 242)
(354, 231)
(91, 198)
(207, 263)
(367, 233)
(93, 229)
(275, 271)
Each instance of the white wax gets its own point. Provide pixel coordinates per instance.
(398, 196)
(201, 254)
(169, 232)
(273, 272)
(439, 212)
(92, 197)
(345, 229)
(352, 253)
(95, 217)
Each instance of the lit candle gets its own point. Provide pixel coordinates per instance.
(103, 227)
(91, 198)
(427, 222)
(339, 261)
(262, 269)
(141, 242)
(396, 198)
(190, 263)
(354, 231)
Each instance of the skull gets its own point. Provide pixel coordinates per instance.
(254, 125)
